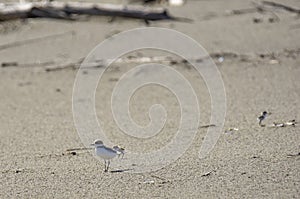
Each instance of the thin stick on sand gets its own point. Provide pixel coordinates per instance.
(281, 6)
(33, 40)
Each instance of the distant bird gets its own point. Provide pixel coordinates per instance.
(120, 150)
(262, 117)
(106, 153)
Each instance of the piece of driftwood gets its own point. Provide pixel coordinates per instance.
(71, 11)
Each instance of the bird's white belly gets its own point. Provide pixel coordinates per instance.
(105, 154)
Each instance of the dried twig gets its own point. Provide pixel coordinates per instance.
(33, 40)
(16, 64)
(230, 130)
(164, 180)
(246, 10)
(207, 173)
(281, 6)
(293, 155)
(207, 126)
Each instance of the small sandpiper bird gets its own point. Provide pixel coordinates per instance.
(120, 150)
(106, 153)
(262, 117)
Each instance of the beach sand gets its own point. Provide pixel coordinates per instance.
(37, 127)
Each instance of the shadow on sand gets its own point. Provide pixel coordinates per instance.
(120, 170)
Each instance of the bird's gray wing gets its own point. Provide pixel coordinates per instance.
(109, 149)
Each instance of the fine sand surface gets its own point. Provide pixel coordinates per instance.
(261, 72)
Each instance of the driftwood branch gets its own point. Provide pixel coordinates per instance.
(70, 11)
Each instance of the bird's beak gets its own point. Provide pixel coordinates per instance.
(92, 144)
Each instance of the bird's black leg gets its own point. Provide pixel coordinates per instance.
(105, 169)
(108, 165)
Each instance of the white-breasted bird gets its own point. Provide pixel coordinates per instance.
(262, 117)
(105, 153)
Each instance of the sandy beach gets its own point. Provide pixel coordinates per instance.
(257, 55)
